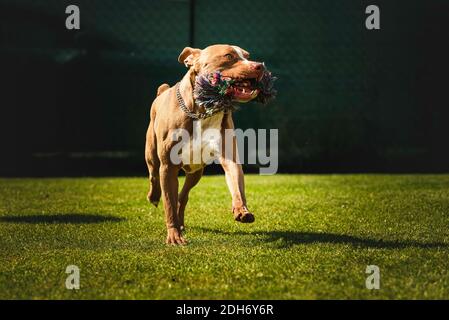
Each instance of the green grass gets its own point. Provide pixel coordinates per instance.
(313, 237)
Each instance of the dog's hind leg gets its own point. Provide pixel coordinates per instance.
(151, 156)
(153, 163)
(191, 180)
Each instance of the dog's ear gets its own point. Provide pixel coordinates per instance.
(245, 53)
(188, 55)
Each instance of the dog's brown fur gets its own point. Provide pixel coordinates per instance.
(166, 116)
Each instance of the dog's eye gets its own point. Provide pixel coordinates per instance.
(229, 56)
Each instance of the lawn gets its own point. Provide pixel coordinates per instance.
(313, 238)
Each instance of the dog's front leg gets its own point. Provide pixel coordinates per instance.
(236, 185)
(169, 184)
(234, 173)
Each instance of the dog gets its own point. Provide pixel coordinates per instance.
(175, 108)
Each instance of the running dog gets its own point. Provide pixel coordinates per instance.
(176, 108)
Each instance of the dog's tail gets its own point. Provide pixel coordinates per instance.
(162, 88)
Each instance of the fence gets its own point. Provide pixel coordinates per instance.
(350, 99)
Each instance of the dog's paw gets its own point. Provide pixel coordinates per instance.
(174, 237)
(152, 199)
(243, 215)
(247, 218)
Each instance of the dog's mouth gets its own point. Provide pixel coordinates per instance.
(216, 90)
(242, 89)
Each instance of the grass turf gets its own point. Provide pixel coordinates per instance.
(313, 237)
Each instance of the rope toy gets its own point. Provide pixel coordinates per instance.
(215, 93)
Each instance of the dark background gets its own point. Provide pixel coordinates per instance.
(350, 99)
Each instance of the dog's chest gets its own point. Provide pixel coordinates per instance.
(205, 142)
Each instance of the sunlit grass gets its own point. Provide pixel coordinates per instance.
(313, 237)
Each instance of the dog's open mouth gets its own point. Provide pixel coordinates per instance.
(242, 90)
(216, 91)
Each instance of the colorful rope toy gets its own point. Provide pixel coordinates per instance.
(216, 93)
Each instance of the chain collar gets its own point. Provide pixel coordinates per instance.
(193, 115)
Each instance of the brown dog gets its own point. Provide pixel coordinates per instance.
(175, 108)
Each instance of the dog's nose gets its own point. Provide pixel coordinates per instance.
(258, 66)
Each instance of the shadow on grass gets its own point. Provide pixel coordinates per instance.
(284, 239)
(62, 218)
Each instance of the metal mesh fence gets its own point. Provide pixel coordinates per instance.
(345, 94)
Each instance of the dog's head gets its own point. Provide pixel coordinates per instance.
(233, 64)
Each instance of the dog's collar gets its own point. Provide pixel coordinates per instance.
(197, 116)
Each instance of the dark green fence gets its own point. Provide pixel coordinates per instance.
(77, 102)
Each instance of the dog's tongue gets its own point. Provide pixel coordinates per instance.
(242, 94)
